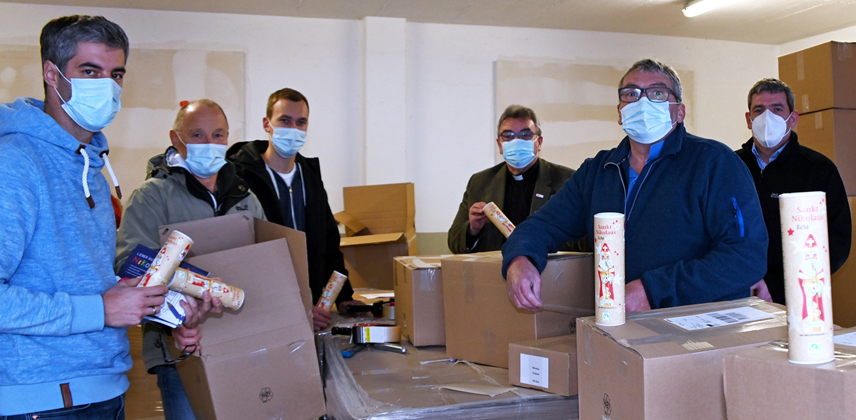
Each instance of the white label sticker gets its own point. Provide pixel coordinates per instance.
(848, 339)
(534, 370)
(719, 318)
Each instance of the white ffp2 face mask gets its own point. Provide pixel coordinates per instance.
(769, 129)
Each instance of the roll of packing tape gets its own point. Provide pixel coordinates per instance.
(375, 333)
(389, 310)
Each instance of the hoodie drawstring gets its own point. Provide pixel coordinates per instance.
(112, 174)
(85, 176)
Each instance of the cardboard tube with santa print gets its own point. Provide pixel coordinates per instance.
(498, 218)
(193, 284)
(609, 268)
(808, 290)
(331, 291)
(171, 254)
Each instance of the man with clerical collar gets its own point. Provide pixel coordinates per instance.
(779, 164)
(693, 225)
(519, 186)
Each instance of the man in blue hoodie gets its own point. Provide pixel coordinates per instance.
(63, 316)
(694, 232)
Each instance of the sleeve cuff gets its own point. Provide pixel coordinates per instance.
(87, 313)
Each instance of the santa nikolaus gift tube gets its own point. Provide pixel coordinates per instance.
(609, 268)
(193, 284)
(331, 291)
(171, 254)
(498, 218)
(808, 290)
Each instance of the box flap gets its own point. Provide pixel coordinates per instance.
(382, 208)
(268, 231)
(215, 233)
(382, 238)
(352, 225)
(422, 261)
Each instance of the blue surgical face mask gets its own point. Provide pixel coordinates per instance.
(287, 141)
(646, 122)
(204, 159)
(518, 153)
(93, 103)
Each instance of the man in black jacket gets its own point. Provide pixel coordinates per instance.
(290, 189)
(779, 164)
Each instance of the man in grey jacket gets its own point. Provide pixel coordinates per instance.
(190, 181)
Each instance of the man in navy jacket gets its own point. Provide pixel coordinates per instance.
(694, 232)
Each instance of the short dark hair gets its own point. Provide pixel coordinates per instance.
(60, 37)
(521, 112)
(288, 94)
(654, 66)
(179, 118)
(772, 85)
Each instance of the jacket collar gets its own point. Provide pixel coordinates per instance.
(671, 146)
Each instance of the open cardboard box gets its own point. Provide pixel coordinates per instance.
(380, 225)
(259, 361)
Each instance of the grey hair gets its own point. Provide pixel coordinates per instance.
(653, 66)
(60, 37)
(521, 112)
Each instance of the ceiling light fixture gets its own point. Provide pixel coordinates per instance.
(698, 7)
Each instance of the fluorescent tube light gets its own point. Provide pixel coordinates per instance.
(698, 7)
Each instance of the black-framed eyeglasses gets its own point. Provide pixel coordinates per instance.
(523, 135)
(654, 94)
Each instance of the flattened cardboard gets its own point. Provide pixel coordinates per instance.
(832, 133)
(561, 355)
(481, 321)
(822, 77)
(651, 369)
(825, 391)
(419, 300)
(259, 361)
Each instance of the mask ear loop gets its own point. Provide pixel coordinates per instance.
(66, 79)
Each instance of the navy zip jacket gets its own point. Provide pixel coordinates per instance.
(694, 231)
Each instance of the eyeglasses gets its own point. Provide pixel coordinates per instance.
(523, 135)
(654, 94)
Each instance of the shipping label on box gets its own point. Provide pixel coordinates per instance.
(821, 77)
(259, 361)
(419, 300)
(668, 363)
(548, 364)
(481, 321)
(825, 391)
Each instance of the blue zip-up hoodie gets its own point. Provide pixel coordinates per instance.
(56, 259)
(694, 231)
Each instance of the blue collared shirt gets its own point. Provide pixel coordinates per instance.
(654, 153)
(773, 157)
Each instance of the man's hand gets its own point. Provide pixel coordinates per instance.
(195, 309)
(477, 218)
(343, 306)
(321, 318)
(635, 298)
(760, 289)
(187, 338)
(523, 283)
(126, 305)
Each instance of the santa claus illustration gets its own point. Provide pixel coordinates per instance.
(606, 276)
(811, 280)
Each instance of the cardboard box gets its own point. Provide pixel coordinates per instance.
(548, 364)
(380, 224)
(824, 391)
(419, 300)
(259, 361)
(843, 288)
(822, 77)
(832, 133)
(650, 368)
(481, 321)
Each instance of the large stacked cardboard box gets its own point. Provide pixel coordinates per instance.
(667, 364)
(380, 225)
(760, 383)
(419, 300)
(259, 361)
(823, 79)
(480, 319)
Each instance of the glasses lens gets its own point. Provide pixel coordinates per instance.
(629, 94)
(657, 94)
(506, 136)
(525, 135)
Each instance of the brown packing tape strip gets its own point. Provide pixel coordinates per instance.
(376, 334)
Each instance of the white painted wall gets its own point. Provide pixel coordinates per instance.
(449, 84)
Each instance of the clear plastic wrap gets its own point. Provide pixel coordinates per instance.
(381, 385)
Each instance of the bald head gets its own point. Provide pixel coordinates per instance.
(199, 122)
(194, 105)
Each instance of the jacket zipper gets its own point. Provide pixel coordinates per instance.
(738, 215)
